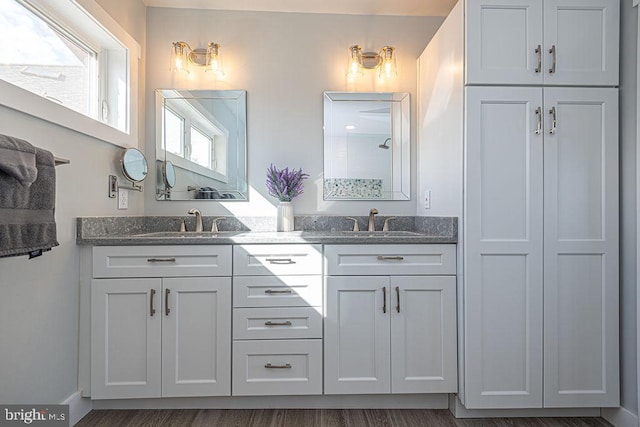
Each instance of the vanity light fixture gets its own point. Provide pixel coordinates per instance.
(384, 61)
(183, 56)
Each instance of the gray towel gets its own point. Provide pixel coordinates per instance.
(27, 212)
(18, 159)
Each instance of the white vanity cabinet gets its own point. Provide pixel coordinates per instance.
(155, 332)
(277, 320)
(387, 332)
(535, 42)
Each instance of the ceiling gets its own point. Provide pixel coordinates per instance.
(349, 7)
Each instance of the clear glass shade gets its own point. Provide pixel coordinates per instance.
(180, 57)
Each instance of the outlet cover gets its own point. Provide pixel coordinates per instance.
(123, 199)
(427, 199)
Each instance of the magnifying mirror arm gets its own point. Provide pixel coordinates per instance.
(134, 186)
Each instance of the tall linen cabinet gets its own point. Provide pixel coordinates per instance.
(518, 136)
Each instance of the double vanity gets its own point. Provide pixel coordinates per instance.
(254, 313)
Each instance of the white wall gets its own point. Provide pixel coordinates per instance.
(284, 61)
(39, 297)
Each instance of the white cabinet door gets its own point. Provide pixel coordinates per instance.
(504, 42)
(196, 336)
(583, 36)
(125, 338)
(503, 248)
(581, 249)
(356, 335)
(423, 334)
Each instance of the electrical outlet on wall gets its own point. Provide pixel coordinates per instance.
(427, 199)
(123, 199)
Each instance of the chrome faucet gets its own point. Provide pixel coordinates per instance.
(372, 223)
(198, 215)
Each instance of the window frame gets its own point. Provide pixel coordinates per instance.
(22, 100)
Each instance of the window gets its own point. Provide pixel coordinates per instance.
(65, 60)
(201, 148)
(174, 132)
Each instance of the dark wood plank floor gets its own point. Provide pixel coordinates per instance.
(313, 418)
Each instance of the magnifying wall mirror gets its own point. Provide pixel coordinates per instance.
(134, 165)
(201, 144)
(366, 146)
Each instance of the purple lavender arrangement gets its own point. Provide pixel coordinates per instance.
(285, 184)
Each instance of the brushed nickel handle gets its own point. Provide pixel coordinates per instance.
(285, 291)
(166, 302)
(270, 323)
(539, 117)
(214, 224)
(385, 226)
(390, 258)
(285, 366)
(280, 261)
(161, 260)
(384, 299)
(152, 310)
(554, 120)
(538, 52)
(398, 296)
(553, 53)
(356, 226)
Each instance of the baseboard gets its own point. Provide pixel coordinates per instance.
(620, 417)
(78, 407)
(459, 411)
(410, 401)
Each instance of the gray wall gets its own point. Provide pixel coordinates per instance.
(284, 61)
(39, 297)
(628, 232)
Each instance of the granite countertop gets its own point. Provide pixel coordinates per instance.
(153, 230)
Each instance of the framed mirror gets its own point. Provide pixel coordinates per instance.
(366, 146)
(202, 134)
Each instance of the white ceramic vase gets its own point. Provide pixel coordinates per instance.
(285, 216)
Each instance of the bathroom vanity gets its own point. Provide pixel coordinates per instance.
(267, 314)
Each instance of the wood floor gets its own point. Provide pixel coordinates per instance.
(313, 418)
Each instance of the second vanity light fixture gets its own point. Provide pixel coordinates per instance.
(384, 61)
(183, 56)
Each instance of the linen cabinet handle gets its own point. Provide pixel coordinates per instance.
(270, 323)
(280, 261)
(152, 310)
(161, 260)
(554, 120)
(398, 297)
(285, 366)
(538, 52)
(271, 291)
(390, 258)
(539, 119)
(552, 51)
(166, 302)
(384, 299)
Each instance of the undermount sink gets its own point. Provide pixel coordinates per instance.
(187, 234)
(381, 233)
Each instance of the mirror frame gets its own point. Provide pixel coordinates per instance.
(401, 141)
(242, 184)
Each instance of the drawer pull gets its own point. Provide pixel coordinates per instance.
(285, 366)
(280, 261)
(271, 291)
(390, 258)
(161, 260)
(270, 323)
(152, 310)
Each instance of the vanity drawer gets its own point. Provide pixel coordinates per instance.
(161, 261)
(371, 260)
(273, 291)
(260, 260)
(278, 367)
(277, 323)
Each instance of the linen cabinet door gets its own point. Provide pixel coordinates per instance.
(196, 336)
(504, 42)
(503, 248)
(581, 249)
(356, 335)
(423, 334)
(125, 338)
(581, 42)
